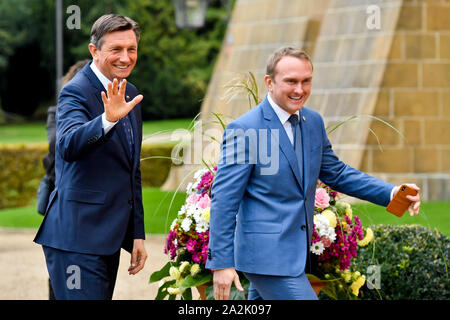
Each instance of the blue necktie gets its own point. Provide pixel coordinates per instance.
(293, 119)
(128, 133)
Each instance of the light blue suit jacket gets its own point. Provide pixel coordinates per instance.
(262, 211)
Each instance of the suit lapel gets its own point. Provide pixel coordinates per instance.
(274, 123)
(99, 109)
(128, 97)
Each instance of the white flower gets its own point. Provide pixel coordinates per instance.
(186, 224)
(331, 234)
(182, 210)
(198, 215)
(317, 248)
(174, 223)
(190, 210)
(202, 226)
(190, 188)
(199, 173)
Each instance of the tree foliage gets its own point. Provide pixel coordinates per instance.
(173, 68)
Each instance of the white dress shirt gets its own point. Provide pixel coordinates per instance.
(107, 125)
(283, 115)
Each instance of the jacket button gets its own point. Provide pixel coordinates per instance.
(130, 202)
(303, 227)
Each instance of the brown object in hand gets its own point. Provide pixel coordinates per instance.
(399, 204)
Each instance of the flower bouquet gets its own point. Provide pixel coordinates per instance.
(336, 236)
(187, 244)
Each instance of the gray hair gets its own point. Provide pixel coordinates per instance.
(109, 23)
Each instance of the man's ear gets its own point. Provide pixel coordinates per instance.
(268, 80)
(93, 50)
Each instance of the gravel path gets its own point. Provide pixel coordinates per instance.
(24, 273)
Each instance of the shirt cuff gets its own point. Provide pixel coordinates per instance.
(107, 125)
(392, 192)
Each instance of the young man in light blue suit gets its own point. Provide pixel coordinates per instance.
(263, 194)
(96, 207)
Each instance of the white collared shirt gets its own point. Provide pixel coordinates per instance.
(107, 125)
(283, 115)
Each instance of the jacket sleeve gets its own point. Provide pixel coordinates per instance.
(227, 193)
(343, 178)
(77, 132)
(139, 227)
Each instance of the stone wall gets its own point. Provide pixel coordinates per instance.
(398, 71)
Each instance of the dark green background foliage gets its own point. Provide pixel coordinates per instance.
(173, 68)
(414, 263)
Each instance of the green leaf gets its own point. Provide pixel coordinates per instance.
(187, 294)
(198, 280)
(160, 274)
(162, 291)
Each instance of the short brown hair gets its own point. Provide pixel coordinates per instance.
(73, 70)
(109, 23)
(282, 52)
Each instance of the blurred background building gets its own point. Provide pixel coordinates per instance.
(389, 59)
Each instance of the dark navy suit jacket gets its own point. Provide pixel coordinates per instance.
(96, 207)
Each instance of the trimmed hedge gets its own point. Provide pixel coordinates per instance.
(20, 174)
(413, 262)
(22, 170)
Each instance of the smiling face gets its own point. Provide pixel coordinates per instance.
(117, 55)
(290, 86)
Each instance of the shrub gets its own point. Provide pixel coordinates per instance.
(413, 263)
(22, 170)
(20, 174)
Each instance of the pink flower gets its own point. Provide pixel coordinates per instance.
(322, 199)
(204, 202)
(190, 245)
(326, 241)
(193, 198)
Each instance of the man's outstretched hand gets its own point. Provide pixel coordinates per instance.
(115, 104)
(414, 206)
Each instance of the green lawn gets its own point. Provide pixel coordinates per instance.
(431, 215)
(35, 132)
(159, 214)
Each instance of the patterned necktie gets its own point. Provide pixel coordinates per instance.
(128, 133)
(293, 119)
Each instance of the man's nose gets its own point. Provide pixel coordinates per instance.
(124, 56)
(299, 88)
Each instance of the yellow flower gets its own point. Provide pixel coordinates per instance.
(174, 272)
(347, 276)
(195, 269)
(184, 267)
(179, 282)
(206, 214)
(348, 209)
(174, 290)
(331, 217)
(349, 212)
(357, 284)
(365, 241)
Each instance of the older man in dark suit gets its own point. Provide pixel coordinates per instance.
(96, 207)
